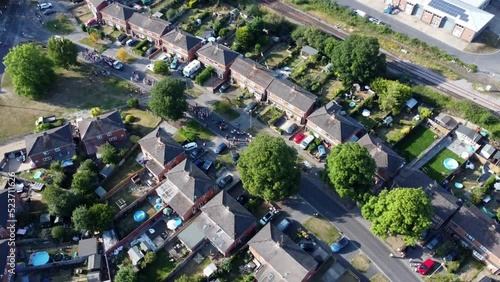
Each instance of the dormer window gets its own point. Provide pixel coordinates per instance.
(46, 153)
(109, 134)
(99, 137)
(57, 150)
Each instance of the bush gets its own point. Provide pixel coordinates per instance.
(477, 196)
(138, 52)
(84, 27)
(189, 136)
(204, 76)
(161, 67)
(145, 48)
(112, 81)
(133, 103)
(134, 139)
(141, 44)
(453, 266)
(129, 118)
(223, 32)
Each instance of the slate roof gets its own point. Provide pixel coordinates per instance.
(183, 185)
(118, 11)
(181, 39)
(284, 260)
(446, 120)
(50, 139)
(309, 50)
(149, 23)
(162, 147)
(469, 132)
(388, 161)
(482, 228)
(96, 3)
(292, 93)
(92, 127)
(87, 247)
(218, 53)
(329, 119)
(253, 72)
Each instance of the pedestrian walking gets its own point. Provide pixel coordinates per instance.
(90, 79)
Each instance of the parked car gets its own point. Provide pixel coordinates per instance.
(284, 224)
(196, 153)
(224, 181)
(44, 6)
(307, 246)
(91, 22)
(250, 106)
(220, 148)
(224, 87)
(132, 42)
(190, 146)
(267, 217)
(181, 67)
(305, 143)
(433, 243)
(298, 138)
(121, 37)
(117, 65)
(174, 63)
(321, 152)
(426, 266)
(125, 40)
(150, 51)
(339, 245)
(207, 165)
(374, 20)
(235, 156)
(48, 12)
(451, 256)
(199, 162)
(291, 128)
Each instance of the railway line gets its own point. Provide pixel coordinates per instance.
(418, 73)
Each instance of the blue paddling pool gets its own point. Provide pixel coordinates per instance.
(140, 216)
(450, 164)
(40, 258)
(37, 175)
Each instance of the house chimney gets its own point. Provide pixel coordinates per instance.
(46, 139)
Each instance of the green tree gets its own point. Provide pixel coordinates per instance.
(277, 25)
(168, 100)
(95, 112)
(424, 112)
(149, 257)
(109, 154)
(161, 67)
(96, 218)
(82, 219)
(392, 95)
(84, 182)
(402, 211)
(133, 103)
(357, 59)
(257, 49)
(88, 165)
(60, 202)
(351, 170)
(184, 278)
(43, 127)
(31, 71)
(244, 38)
(62, 51)
(126, 274)
(58, 232)
(253, 10)
(268, 168)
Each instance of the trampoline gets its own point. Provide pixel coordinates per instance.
(450, 164)
(40, 258)
(352, 104)
(58, 257)
(37, 175)
(159, 201)
(139, 216)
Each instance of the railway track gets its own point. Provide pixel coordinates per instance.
(418, 73)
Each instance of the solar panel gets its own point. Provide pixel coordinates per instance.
(449, 9)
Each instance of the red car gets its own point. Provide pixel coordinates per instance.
(426, 266)
(91, 22)
(299, 137)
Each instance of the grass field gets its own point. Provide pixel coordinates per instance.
(225, 109)
(276, 55)
(146, 120)
(415, 142)
(361, 262)
(60, 25)
(379, 278)
(435, 168)
(94, 45)
(322, 229)
(159, 269)
(192, 128)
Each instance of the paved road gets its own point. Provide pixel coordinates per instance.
(395, 269)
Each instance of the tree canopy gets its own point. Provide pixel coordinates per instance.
(60, 202)
(402, 211)
(244, 39)
(126, 274)
(392, 95)
(95, 112)
(168, 100)
(58, 232)
(84, 182)
(88, 164)
(30, 69)
(357, 59)
(351, 170)
(96, 218)
(268, 168)
(109, 154)
(62, 51)
(312, 36)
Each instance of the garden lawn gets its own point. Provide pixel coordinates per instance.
(415, 142)
(94, 45)
(146, 120)
(60, 25)
(322, 229)
(225, 109)
(276, 55)
(361, 262)
(129, 168)
(435, 168)
(159, 269)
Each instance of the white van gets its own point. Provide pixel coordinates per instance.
(305, 143)
(360, 13)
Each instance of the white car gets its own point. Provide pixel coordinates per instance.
(374, 20)
(117, 65)
(44, 6)
(190, 146)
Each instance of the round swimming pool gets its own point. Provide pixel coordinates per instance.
(139, 216)
(40, 258)
(450, 164)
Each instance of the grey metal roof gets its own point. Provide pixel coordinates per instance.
(253, 72)
(53, 138)
(329, 119)
(228, 214)
(118, 11)
(92, 127)
(446, 120)
(87, 247)
(284, 259)
(181, 39)
(149, 23)
(161, 146)
(292, 93)
(218, 53)
(388, 161)
(309, 50)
